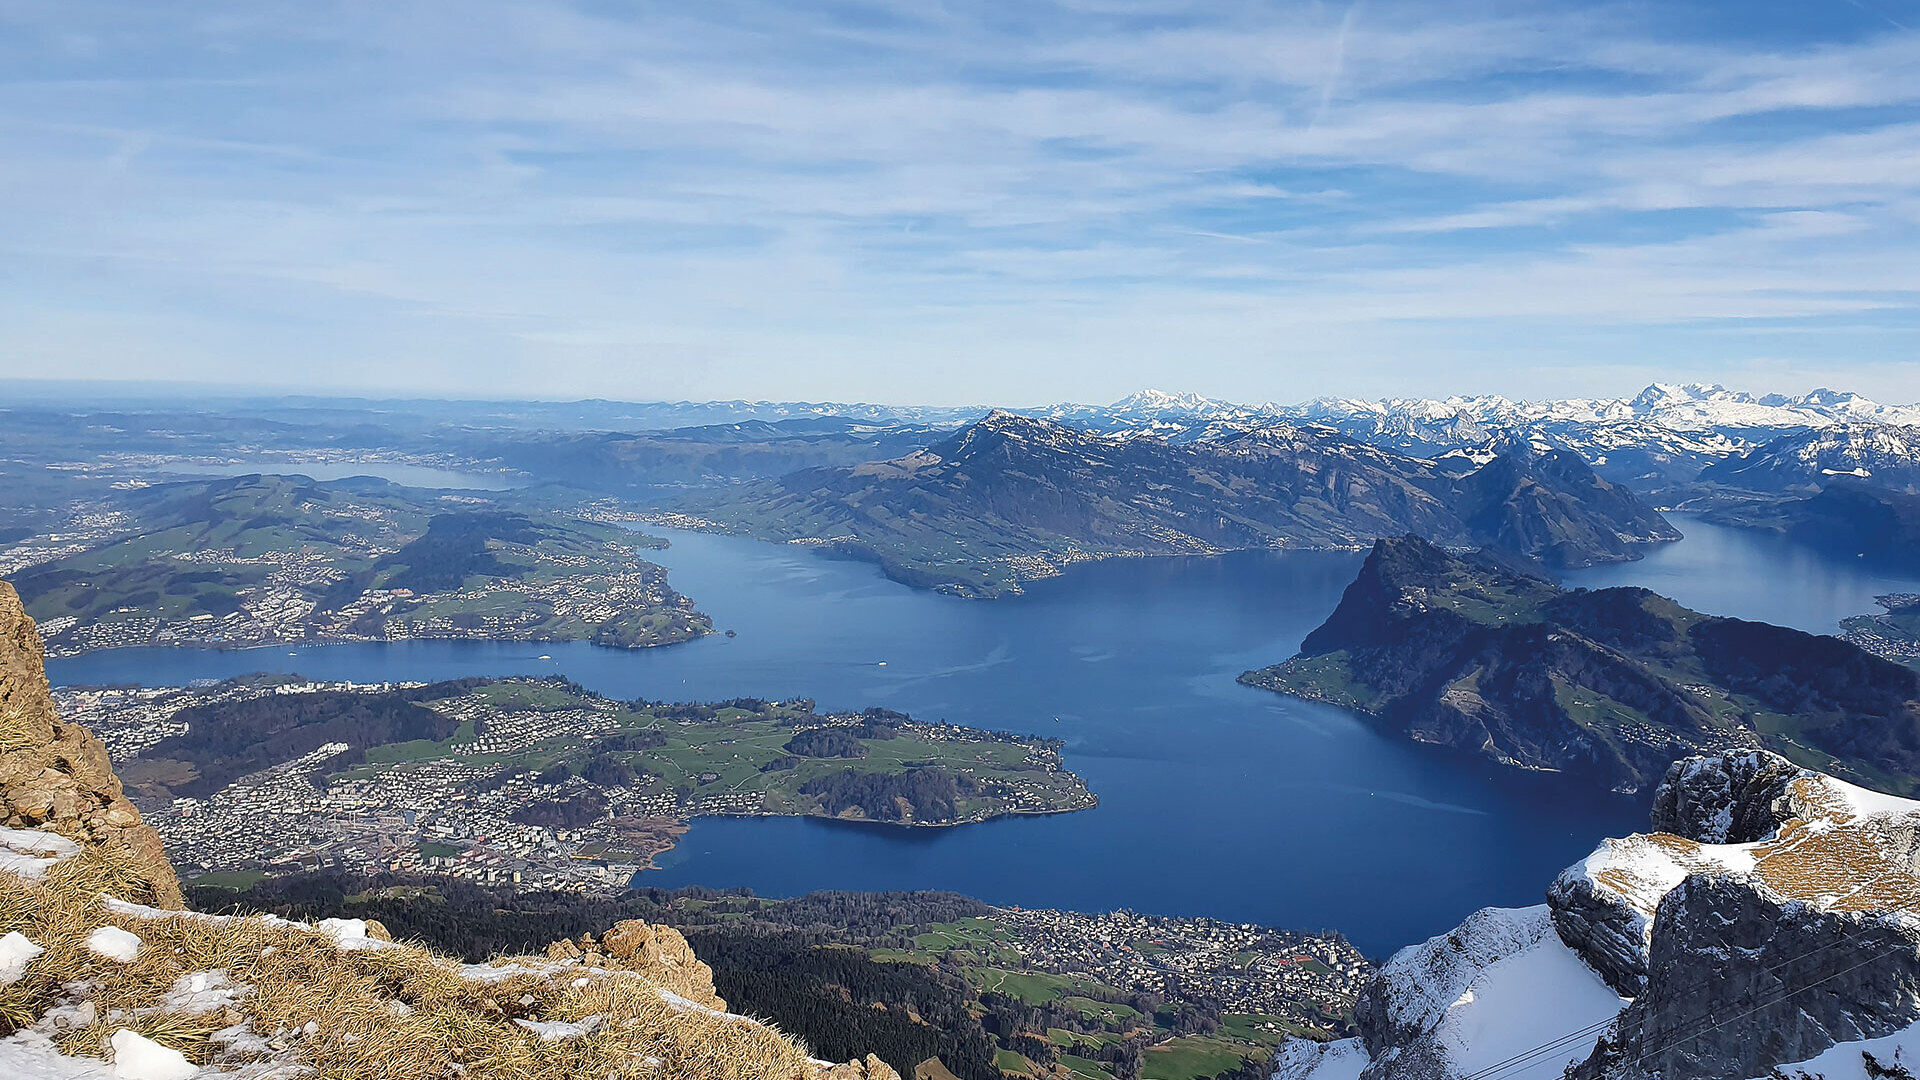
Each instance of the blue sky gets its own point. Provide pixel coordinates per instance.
(917, 201)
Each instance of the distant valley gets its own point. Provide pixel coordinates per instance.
(259, 560)
(933, 495)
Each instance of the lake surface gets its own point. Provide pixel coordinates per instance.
(1750, 574)
(1217, 799)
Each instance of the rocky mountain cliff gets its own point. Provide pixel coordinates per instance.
(102, 978)
(1763, 929)
(1012, 498)
(1610, 685)
(55, 777)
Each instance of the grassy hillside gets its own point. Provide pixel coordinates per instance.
(269, 560)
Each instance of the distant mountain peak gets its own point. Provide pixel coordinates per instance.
(1659, 394)
(1151, 398)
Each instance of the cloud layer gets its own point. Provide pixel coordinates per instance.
(960, 201)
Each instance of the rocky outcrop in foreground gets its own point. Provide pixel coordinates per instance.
(55, 776)
(103, 978)
(1764, 929)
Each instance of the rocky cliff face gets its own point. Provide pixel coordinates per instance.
(55, 776)
(1766, 927)
(1788, 932)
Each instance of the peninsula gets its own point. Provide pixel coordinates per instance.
(535, 782)
(1609, 684)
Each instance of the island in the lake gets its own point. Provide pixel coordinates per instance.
(1609, 684)
(272, 560)
(536, 782)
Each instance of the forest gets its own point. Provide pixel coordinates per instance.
(923, 794)
(808, 963)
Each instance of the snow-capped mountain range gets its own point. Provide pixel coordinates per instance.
(1886, 454)
(1663, 435)
(1698, 408)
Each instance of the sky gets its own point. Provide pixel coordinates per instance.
(913, 201)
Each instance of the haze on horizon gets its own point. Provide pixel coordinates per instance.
(942, 203)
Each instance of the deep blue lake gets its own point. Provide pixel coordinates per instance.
(1217, 799)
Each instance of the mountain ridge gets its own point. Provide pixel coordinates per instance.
(1609, 685)
(1012, 498)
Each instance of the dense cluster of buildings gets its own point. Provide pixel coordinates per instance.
(1879, 634)
(87, 529)
(579, 588)
(446, 815)
(570, 599)
(1248, 968)
(466, 810)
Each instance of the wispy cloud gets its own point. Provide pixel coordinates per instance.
(957, 200)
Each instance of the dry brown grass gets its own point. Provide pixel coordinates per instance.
(1831, 857)
(394, 1013)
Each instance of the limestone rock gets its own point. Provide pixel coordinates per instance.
(1768, 921)
(1742, 978)
(658, 952)
(56, 775)
(871, 1068)
(1790, 933)
(1734, 798)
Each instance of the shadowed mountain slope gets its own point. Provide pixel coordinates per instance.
(1011, 498)
(1611, 684)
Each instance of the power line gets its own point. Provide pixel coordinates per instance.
(1533, 1055)
(1764, 1005)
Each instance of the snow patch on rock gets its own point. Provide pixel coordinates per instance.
(1849, 1060)
(350, 934)
(28, 853)
(202, 992)
(1501, 983)
(1302, 1059)
(31, 1055)
(557, 1030)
